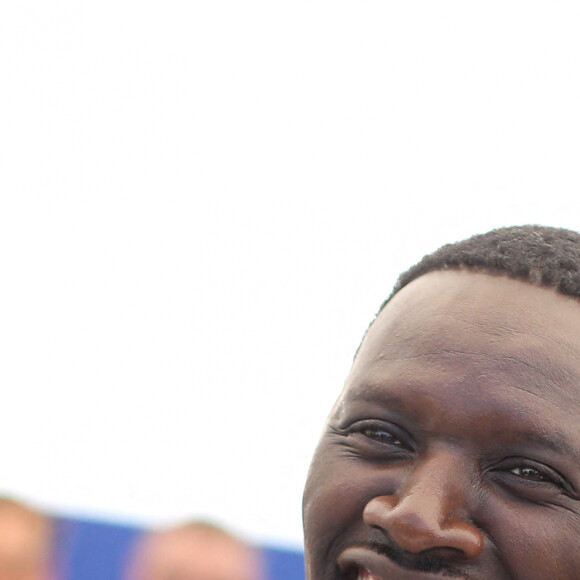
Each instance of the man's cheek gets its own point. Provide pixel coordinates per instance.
(541, 544)
(336, 494)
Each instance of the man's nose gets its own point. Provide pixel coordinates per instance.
(429, 511)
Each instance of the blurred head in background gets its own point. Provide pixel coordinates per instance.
(195, 551)
(25, 543)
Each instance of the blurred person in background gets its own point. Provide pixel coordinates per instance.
(194, 551)
(25, 543)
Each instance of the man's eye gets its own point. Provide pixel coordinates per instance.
(380, 435)
(378, 439)
(380, 432)
(530, 473)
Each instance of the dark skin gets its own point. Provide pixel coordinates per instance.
(454, 449)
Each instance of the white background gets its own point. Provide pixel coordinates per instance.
(204, 203)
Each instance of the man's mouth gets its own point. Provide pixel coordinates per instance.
(360, 563)
(360, 573)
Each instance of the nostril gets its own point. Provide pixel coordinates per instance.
(419, 527)
(457, 539)
(377, 511)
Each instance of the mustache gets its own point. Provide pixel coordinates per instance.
(417, 562)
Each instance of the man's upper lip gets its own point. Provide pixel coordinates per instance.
(381, 566)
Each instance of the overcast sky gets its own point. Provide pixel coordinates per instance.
(202, 205)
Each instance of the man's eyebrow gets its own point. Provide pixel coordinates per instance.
(374, 393)
(554, 441)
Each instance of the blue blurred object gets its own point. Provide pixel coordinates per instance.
(89, 550)
(283, 564)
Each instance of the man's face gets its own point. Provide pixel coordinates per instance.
(454, 449)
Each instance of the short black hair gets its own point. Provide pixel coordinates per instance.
(540, 255)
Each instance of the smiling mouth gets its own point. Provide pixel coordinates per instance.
(360, 563)
(360, 573)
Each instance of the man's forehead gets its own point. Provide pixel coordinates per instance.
(476, 329)
(453, 304)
